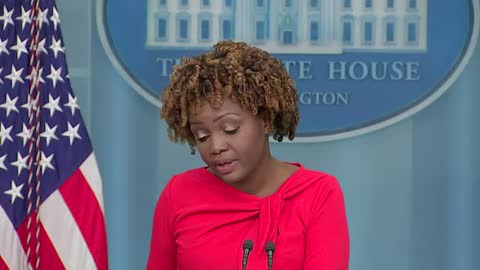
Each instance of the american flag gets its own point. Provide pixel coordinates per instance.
(51, 214)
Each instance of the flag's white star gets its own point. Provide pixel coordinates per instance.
(56, 46)
(25, 17)
(3, 46)
(21, 163)
(14, 192)
(41, 47)
(37, 77)
(10, 104)
(29, 105)
(45, 162)
(72, 132)
(53, 105)
(55, 75)
(5, 133)
(26, 134)
(72, 103)
(2, 162)
(20, 47)
(1, 81)
(55, 18)
(6, 17)
(49, 133)
(42, 16)
(15, 76)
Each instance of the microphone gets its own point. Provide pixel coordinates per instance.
(270, 249)
(247, 247)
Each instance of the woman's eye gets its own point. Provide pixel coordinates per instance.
(202, 139)
(231, 131)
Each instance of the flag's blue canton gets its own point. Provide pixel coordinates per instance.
(62, 151)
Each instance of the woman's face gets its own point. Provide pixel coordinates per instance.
(231, 141)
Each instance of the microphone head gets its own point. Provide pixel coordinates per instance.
(270, 246)
(248, 244)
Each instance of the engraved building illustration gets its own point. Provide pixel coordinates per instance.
(290, 26)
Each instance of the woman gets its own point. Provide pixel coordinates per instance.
(245, 209)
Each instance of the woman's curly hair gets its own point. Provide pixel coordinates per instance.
(245, 74)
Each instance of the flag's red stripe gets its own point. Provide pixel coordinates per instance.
(86, 211)
(3, 265)
(48, 255)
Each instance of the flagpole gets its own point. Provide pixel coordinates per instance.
(34, 142)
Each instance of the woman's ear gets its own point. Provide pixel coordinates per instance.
(267, 127)
(266, 122)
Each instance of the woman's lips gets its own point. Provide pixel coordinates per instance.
(224, 167)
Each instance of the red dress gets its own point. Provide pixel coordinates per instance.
(201, 223)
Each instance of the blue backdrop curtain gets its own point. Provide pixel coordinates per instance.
(412, 190)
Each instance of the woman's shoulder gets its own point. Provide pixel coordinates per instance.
(194, 172)
(318, 177)
(188, 177)
(184, 186)
(305, 171)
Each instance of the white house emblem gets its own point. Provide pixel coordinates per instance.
(359, 65)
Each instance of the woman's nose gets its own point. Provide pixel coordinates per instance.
(218, 144)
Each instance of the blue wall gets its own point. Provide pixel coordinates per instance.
(411, 189)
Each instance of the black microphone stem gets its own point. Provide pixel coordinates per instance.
(270, 249)
(247, 248)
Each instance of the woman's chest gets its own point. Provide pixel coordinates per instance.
(215, 241)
